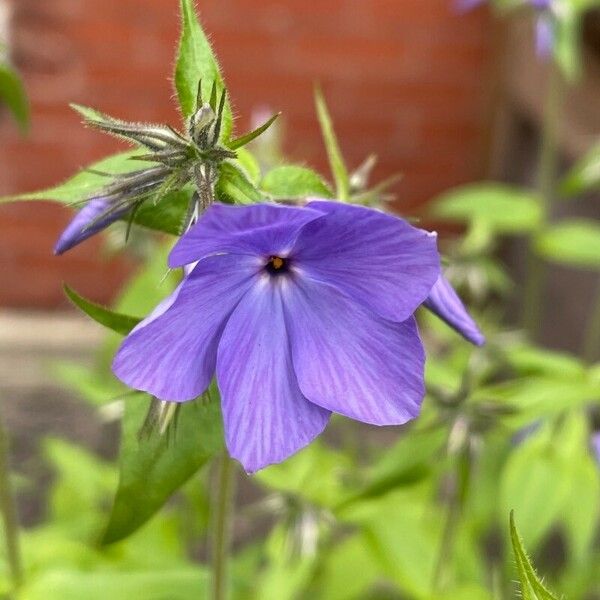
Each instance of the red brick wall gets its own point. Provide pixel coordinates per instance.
(404, 78)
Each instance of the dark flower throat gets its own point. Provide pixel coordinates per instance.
(277, 265)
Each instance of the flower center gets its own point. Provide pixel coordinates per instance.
(277, 265)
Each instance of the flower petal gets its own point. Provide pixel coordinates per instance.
(86, 223)
(258, 229)
(445, 303)
(172, 353)
(351, 361)
(377, 259)
(265, 415)
(544, 35)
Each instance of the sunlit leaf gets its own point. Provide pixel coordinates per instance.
(291, 181)
(196, 62)
(235, 185)
(336, 160)
(585, 175)
(575, 243)
(153, 467)
(12, 94)
(122, 324)
(532, 587)
(503, 208)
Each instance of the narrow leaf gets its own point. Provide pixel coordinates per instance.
(12, 93)
(584, 176)
(195, 63)
(336, 160)
(120, 323)
(291, 181)
(153, 468)
(248, 137)
(531, 586)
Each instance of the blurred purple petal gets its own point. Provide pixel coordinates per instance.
(258, 229)
(349, 360)
(87, 222)
(544, 35)
(445, 303)
(541, 4)
(596, 445)
(466, 5)
(265, 415)
(172, 354)
(377, 259)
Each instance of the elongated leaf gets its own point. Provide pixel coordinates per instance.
(196, 62)
(531, 586)
(234, 184)
(248, 137)
(153, 468)
(12, 94)
(336, 160)
(166, 215)
(502, 208)
(291, 181)
(575, 243)
(122, 324)
(585, 175)
(84, 184)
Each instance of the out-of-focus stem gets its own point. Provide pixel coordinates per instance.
(546, 179)
(222, 511)
(8, 511)
(591, 340)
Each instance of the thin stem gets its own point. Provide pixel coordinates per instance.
(454, 509)
(546, 179)
(222, 506)
(591, 340)
(8, 510)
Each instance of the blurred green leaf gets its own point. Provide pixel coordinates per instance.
(250, 165)
(584, 176)
(502, 208)
(153, 467)
(171, 584)
(12, 94)
(531, 586)
(291, 181)
(567, 43)
(235, 184)
(248, 137)
(316, 473)
(336, 160)
(122, 324)
(575, 243)
(196, 62)
(531, 360)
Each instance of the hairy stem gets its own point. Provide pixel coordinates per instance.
(222, 512)
(8, 511)
(546, 179)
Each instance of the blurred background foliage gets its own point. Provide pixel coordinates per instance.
(418, 512)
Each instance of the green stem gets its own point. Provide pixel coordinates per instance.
(546, 179)
(8, 510)
(221, 527)
(591, 340)
(454, 509)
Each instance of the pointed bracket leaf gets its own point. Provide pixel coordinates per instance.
(248, 137)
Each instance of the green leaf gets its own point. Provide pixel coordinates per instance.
(584, 176)
(175, 584)
(152, 468)
(503, 208)
(196, 62)
(167, 214)
(336, 160)
(122, 324)
(248, 137)
(234, 184)
(249, 163)
(575, 243)
(12, 93)
(531, 586)
(84, 184)
(291, 181)
(567, 44)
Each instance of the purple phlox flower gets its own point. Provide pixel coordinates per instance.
(122, 195)
(445, 303)
(544, 35)
(300, 312)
